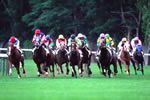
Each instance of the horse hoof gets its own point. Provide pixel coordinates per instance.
(10, 74)
(19, 76)
(46, 74)
(81, 75)
(25, 75)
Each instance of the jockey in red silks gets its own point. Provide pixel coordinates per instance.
(48, 43)
(38, 33)
(61, 42)
(134, 43)
(16, 43)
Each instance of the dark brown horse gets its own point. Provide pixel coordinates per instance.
(86, 59)
(51, 60)
(125, 58)
(62, 58)
(74, 59)
(39, 57)
(14, 57)
(105, 58)
(138, 58)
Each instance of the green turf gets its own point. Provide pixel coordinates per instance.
(62, 87)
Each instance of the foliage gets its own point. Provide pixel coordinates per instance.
(91, 17)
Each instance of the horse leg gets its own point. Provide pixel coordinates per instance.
(120, 66)
(133, 63)
(115, 68)
(10, 67)
(126, 67)
(17, 68)
(103, 70)
(109, 71)
(74, 71)
(98, 64)
(58, 69)
(39, 70)
(61, 69)
(80, 70)
(22, 63)
(53, 70)
(67, 69)
(142, 68)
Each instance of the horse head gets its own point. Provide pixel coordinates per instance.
(10, 49)
(37, 42)
(126, 47)
(102, 44)
(62, 45)
(73, 47)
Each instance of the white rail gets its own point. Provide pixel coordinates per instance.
(4, 49)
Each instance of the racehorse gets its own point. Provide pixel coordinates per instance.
(14, 57)
(39, 56)
(138, 58)
(74, 59)
(51, 60)
(105, 58)
(86, 59)
(62, 58)
(125, 58)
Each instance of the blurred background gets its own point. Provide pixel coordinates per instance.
(119, 18)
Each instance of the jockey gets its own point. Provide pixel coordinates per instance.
(134, 43)
(109, 41)
(38, 33)
(16, 43)
(48, 44)
(74, 39)
(59, 41)
(121, 44)
(83, 38)
(101, 36)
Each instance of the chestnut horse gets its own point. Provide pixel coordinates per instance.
(125, 58)
(14, 57)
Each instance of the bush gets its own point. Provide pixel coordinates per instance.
(27, 45)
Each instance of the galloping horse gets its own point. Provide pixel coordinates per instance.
(39, 56)
(138, 58)
(86, 59)
(62, 57)
(105, 58)
(14, 57)
(125, 58)
(51, 60)
(74, 59)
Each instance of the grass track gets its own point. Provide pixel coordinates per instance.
(120, 87)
